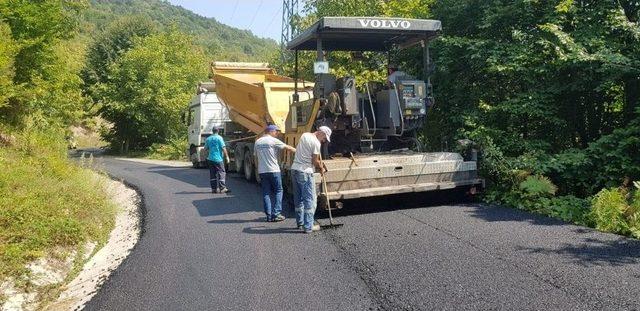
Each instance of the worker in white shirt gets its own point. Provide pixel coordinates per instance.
(305, 163)
(266, 150)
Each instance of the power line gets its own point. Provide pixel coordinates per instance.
(273, 18)
(233, 14)
(255, 14)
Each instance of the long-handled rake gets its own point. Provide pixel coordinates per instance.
(325, 192)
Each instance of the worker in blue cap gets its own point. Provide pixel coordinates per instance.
(266, 150)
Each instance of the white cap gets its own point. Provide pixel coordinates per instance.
(327, 131)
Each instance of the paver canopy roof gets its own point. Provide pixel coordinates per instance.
(365, 33)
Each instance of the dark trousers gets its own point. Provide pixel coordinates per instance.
(217, 175)
(271, 194)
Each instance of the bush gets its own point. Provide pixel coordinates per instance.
(604, 164)
(173, 149)
(611, 212)
(46, 202)
(538, 186)
(531, 193)
(522, 181)
(535, 193)
(634, 212)
(570, 209)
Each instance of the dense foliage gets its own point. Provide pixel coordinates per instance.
(7, 54)
(38, 66)
(108, 46)
(148, 87)
(618, 210)
(548, 90)
(542, 80)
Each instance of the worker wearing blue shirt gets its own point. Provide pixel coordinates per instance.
(217, 157)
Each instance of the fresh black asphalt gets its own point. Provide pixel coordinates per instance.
(204, 251)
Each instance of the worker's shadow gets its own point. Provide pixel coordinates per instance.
(265, 229)
(234, 221)
(197, 178)
(244, 198)
(221, 205)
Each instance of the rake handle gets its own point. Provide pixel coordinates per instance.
(325, 190)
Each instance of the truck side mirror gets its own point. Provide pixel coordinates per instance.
(183, 117)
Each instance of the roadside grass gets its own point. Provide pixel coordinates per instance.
(173, 149)
(47, 203)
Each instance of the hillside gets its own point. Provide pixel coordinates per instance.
(220, 41)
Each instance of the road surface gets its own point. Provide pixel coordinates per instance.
(201, 251)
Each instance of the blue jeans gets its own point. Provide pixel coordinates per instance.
(271, 194)
(304, 198)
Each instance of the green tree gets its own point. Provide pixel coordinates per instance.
(369, 66)
(59, 97)
(109, 45)
(148, 87)
(43, 77)
(407, 8)
(319, 8)
(37, 26)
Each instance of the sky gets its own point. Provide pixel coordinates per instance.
(262, 17)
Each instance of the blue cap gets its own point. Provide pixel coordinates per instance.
(271, 128)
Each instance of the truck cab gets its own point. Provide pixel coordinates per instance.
(205, 112)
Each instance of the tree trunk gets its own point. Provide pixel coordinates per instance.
(630, 8)
(632, 96)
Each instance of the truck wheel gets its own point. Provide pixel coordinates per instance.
(249, 175)
(192, 157)
(237, 160)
